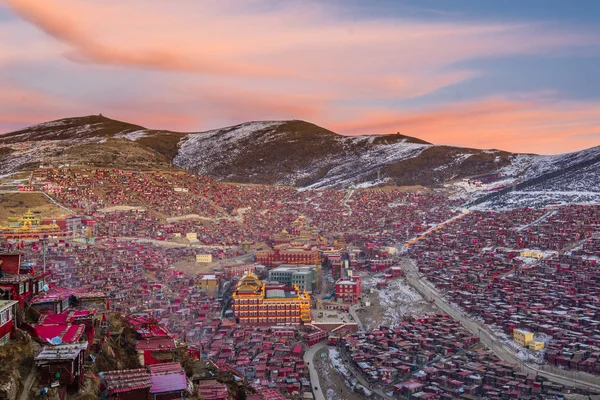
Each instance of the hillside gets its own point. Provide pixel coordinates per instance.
(549, 180)
(71, 129)
(295, 153)
(92, 140)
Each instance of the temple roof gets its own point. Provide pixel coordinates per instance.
(249, 284)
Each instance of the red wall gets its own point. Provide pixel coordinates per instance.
(6, 328)
(11, 263)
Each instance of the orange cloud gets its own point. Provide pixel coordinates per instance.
(58, 23)
(521, 126)
(308, 49)
(215, 62)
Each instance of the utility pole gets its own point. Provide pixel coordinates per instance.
(45, 241)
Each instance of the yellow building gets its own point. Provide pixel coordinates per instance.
(531, 254)
(522, 337)
(258, 304)
(191, 236)
(203, 258)
(536, 346)
(209, 284)
(29, 227)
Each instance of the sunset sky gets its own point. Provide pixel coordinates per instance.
(518, 75)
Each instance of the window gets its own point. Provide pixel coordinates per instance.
(4, 317)
(21, 288)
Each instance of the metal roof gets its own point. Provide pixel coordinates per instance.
(61, 352)
(4, 304)
(168, 383)
(126, 380)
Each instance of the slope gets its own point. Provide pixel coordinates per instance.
(572, 178)
(301, 154)
(294, 153)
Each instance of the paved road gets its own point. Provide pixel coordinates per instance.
(314, 375)
(56, 202)
(537, 221)
(28, 383)
(352, 312)
(442, 224)
(486, 336)
(166, 243)
(361, 379)
(349, 194)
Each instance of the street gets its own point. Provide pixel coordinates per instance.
(314, 375)
(486, 336)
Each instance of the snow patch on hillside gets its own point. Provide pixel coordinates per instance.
(133, 136)
(578, 186)
(198, 151)
(202, 152)
(47, 152)
(458, 159)
(360, 170)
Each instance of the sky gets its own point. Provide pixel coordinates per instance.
(516, 75)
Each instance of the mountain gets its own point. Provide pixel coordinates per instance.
(92, 140)
(295, 153)
(572, 178)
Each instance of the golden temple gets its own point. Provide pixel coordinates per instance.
(256, 304)
(29, 226)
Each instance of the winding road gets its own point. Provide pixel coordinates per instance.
(487, 337)
(314, 375)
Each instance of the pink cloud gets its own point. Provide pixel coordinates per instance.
(520, 126)
(213, 62)
(306, 47)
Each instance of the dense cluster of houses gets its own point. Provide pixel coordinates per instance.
(486, 265)
(477, 373)
(527, 270)
(242, 211)
(433, 357)
(137, 278)
(271, 356)
(71, 324)
(389, 354)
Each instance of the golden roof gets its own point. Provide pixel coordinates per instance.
(249, 283)
(29, 223)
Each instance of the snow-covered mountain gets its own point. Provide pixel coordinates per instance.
(572, 178)
(293, 153)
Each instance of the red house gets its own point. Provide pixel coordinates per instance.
(18, 281)
(62, 365)
(168, 382)
(156, 351)
(10, 263)
(347, 290)
(7, 312)
(316, 337)
(283, 255)
(130, 384)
